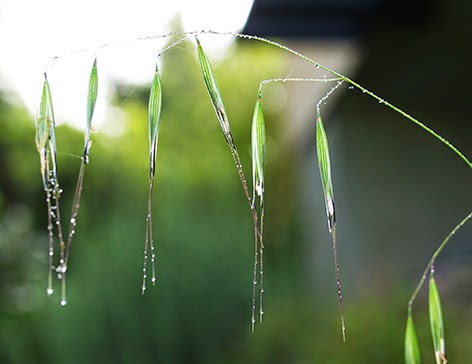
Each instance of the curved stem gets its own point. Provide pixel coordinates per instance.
(363, 89)
(188, 35)
(433, 258)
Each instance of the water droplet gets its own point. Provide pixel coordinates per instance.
(351, 87)
(63, 302)
(72, 220)
(50, 291)
(51, 253)
(153, 280)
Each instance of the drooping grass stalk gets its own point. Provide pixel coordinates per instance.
(216, 98)
(55, 192)
(154, 111)
(258, 143)
(324, 165)
(91, 100)
(41, 138)
(46, 145)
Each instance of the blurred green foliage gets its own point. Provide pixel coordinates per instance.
(200, 310)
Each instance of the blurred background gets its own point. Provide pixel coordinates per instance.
(398, 191)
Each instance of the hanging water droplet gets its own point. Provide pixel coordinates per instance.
(153, 280)
(63, 302)
(351, 87)
(50, 291)
(72, 220)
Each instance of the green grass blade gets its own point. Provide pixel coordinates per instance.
(52, 132)
(436, 321)
(155, 102)
(45, 136)
(412, 350)
(258, 143)
(42, 129)
(91, 100)
(324, 165)
(214, 93)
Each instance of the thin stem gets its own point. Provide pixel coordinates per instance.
(56, 196)
(50, 228)
(254, 283)
(75, 212)
(432, 260)
(148, 239)
(257, 233)
(298, 79)
(153, 254)
(261, 259)
(237, 162)
(338, 283)
(328, 94)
